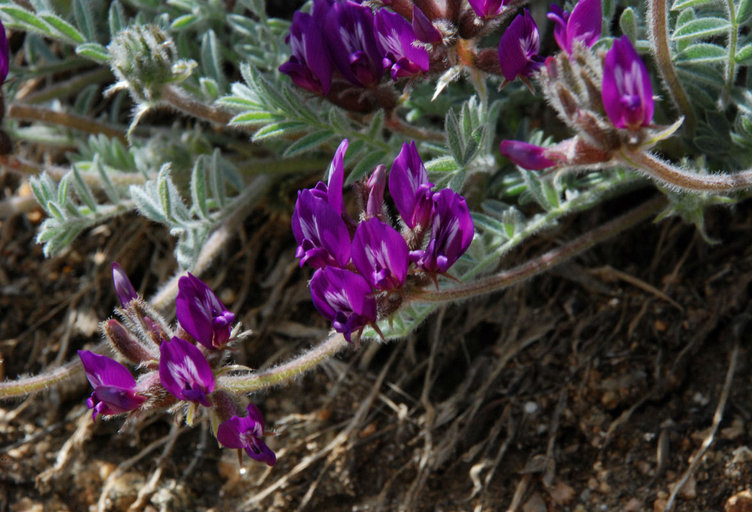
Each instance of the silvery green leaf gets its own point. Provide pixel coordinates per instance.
(454, 135)
(701, 52)
(211, 58)
(275, 130)
(63, 189)
(62, 27)
(449, 76)
(146, 205)
(109, 188)
(21, 18)
(308, 142)
(744, 56)
(93, 51)
(53, 209)
(678, 5)
(198, 188)
(254, 118)
(184, 22)
(744, 12)
(84, 18)
(700, 28)
(216, 180)
(82, 189)
(116, 18)
(628, 24)
(442, 164)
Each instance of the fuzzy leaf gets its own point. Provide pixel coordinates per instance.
(442, 164)
(64, 28)
(254, 118)
(366, 164)
(26, 19)
(703, 27)
(84, 19)
(701, 52)
(93, 51)
(308, 142)
(628, 24)
(678, 5)
(198, 188)
(744, 55)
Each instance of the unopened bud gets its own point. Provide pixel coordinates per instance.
(125, 343)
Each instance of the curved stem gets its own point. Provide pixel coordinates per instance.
(658, 26)
(507, 278)
(25, 112)
(248, 383)
(680, 178)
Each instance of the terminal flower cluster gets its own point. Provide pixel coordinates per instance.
(178, 366)
(361, 267)
(607, 100)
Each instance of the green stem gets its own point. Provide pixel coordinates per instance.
(680, 178)
(658, 26)
(546, 261)
(250, 382)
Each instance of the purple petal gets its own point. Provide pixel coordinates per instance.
(185, 372)
(344, 298)
(201, 313)
(424, 29)
(337, 178)
(627, 92)
(103, 371)
(584, 23)
(380, 254)
(4, 54)
(375, 186)
(246, 432)
(123, 287)
(452, 232)
(396, 36)
(350, 36)
(410, 188)
(559, 16)
(519, 46)
(528, 156)
(322, 235)
(309, 66)
(487, 8)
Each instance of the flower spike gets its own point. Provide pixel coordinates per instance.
(344, 298)
(380, 254)
(518, 48)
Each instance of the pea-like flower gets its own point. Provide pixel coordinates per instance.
(380, 254)
(247, 432)
(452, 232)
(424, 28)
(202, 314)
(114, 386)
(309, 65)
(123, 287)
(350, 35)
(487, 8)
(402, 57)
(583, 24)
(627, 93)
(344, 298)
(526, 155)
(519, 46)
(410, 188)
(185, 372)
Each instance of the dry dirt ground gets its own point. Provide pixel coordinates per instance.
(590, 388)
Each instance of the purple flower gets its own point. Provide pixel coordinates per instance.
(380, 254)
(375, 189)
(351, 38)
(246, 432)
(410, 188)
(451, 233)
(519, 46)
(487, 8)
(344, 298)
(114, 386)
(627, 93)
(309, 66)
(322, 235)
(424, 29)
(185, 372)
(123, 287)
(4, 54)
(528, 156)
(201, 313)
(402, 57)
(584, 24)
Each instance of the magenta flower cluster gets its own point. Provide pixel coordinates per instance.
(348, 40)
(183, 369)
(359, 265)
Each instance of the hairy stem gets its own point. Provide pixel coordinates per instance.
(658, 26)
(680, 178)
(248, 383)
(85, 124)
(507, 278)
(184, 103)
(733, 36)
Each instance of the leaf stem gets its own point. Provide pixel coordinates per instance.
(544, 262)
(184, 103)
(673, 176)
(26, 112)
(658, 26)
